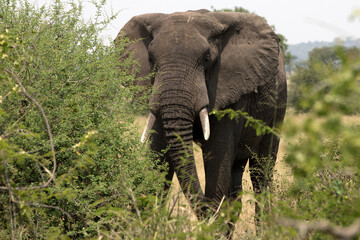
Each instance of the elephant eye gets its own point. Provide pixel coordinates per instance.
(207, 59)
(151, 60)
(152, 69)
(151, 63)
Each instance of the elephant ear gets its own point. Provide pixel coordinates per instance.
(249, 56)
(139, 32)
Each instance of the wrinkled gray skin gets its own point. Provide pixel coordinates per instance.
(212, 61)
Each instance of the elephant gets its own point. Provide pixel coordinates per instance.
(205, 61)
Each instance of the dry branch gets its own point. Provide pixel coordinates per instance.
(134, 202)
(12, 194)
(340, 232)
(173, 206)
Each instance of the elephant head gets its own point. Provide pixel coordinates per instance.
(203, 61)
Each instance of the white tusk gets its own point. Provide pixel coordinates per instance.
(204, 118)
(149, 125)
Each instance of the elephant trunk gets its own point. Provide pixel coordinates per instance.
(178, 128)
(180, 94)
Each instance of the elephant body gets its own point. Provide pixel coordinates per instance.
(210, 61)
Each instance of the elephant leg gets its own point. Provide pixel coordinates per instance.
(237, 171)
(261, 168)
(219, 155)
(158, 144)
(224, 175)
(218, 172)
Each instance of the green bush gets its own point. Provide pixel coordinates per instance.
(323, 152)
(56, 69)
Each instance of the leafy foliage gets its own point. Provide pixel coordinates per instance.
(259, 126)
(55, 65)
(323, 153)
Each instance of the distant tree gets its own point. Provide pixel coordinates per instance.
(310, 75)
(236, 9)
(323, 55)
(283, 41)
(354, 52)
(332, 55)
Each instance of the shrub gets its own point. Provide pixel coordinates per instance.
(63, 178)
(323, 151)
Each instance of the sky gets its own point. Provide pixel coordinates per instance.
(298, 20)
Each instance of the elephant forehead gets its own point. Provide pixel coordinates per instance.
(184, 37)
(186, 17)
(203, 23)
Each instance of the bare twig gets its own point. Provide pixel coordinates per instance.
(215, 215)
(173, 206)
(7, 183)
(52, 174)
(45, 206)
(340, 232)
(12, 219)
(8, 94)
(134, 202)
(6, 176)
(218, 209)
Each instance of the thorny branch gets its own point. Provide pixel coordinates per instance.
(343, 233)
(46, 206)
(12, 196)
(52, 173)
